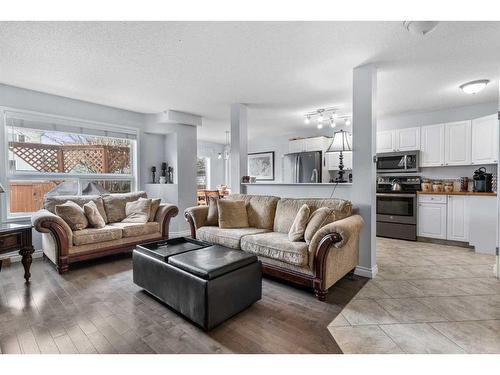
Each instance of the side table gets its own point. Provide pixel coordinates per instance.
(17, 237)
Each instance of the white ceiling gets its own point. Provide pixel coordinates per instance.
(280, 69)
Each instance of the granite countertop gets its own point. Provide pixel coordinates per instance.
(492, 194)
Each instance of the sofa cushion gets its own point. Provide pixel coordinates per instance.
(287, 209)
(277, 246)
(137, 211)
(260, 209)
(226, 237)
(93, 215)
(299, 224)
(318, 219)
(73, 215)
(136, 229)
(155, 205)
(114, 204)
(96, 235)
(232, 214)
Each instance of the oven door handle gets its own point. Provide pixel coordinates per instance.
(395, 195)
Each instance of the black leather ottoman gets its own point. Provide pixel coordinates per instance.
(207, 286)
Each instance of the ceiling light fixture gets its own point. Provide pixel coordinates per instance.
(320, 125)
(332, 122)
(474, 87)
(347, 122)
(307, 120)
(421, 28)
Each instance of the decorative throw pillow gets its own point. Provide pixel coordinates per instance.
(155, 204)
(93, 215)
(213, 212)
(73, 215)
(318, 219)
(100, 207)
(232, 214)
(137, 211)
(298, 227)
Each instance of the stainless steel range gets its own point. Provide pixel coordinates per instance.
(397, 206)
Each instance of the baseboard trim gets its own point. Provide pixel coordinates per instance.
(366, 272)
(17, 258)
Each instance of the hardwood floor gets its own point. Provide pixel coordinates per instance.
(96, 308)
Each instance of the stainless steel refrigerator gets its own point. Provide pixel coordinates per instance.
(303, 167)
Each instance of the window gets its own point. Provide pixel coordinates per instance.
(203, 174)
(48, 155)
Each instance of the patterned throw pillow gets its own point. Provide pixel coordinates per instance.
(137, 211)
(298, 227)
(318, 219)
(73, 215)
(93, 215)
(155, 204)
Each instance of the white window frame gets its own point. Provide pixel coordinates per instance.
(6, 175)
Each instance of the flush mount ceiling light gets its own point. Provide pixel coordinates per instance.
(474, 87)
(421, 28)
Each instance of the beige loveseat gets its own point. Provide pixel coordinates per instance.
(331, 254)
(63, 246)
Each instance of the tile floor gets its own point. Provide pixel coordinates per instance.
(426, 298)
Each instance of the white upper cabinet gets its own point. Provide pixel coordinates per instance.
(457, 149)
(432, 146)
(407, 139)
(485, 140)
(309, 144)
(386, 141)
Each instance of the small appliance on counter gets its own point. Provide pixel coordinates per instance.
(397, 206)
(482, 181)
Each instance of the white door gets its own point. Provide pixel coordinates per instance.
(457, 150)
(485, 140)
(296, 145)
(408, 139)
(385, 141)
(458, 219)
(432, 146)
(432, 220)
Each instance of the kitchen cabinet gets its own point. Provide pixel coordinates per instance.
(432, 219)
(333, 160)
(386, 141)
(457, 148)
(407, 139)
(457, 223)
(432, 146)
(485, 140)
(309, 144)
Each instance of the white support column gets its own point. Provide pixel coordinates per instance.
(364, 130)
(239, 145)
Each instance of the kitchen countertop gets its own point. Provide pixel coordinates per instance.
(493, 194)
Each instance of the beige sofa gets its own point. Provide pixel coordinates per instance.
(331, 254)
(63, 246)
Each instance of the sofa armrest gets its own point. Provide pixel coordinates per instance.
(163, 215)
(196, 217)
(341, 236)
(45, 221)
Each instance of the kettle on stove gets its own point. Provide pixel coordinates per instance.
(482, 180)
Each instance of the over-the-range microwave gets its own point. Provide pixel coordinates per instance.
(398, 162)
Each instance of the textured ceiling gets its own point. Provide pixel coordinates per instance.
(280, 69)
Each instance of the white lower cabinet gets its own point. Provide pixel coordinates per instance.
(432, 219)
(457, 227)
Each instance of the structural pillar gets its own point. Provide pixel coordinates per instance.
(239, 146)
(364, 129)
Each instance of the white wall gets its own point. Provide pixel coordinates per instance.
(211, 150)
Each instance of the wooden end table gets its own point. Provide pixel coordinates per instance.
(17, 237)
